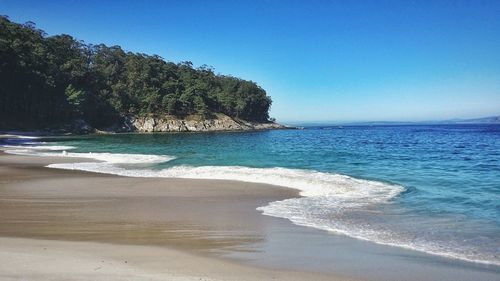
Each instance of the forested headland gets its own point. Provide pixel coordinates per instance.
(47, 80)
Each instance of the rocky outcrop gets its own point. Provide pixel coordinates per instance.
(172, 124)
(130, 123)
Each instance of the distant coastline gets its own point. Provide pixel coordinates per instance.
(481, 120)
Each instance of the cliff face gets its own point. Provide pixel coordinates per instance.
(172, 124)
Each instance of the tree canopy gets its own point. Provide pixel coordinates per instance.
(46, 80)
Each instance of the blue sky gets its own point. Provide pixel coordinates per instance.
(319, 60)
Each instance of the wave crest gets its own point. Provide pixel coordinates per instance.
(339, 188)
(108, 158)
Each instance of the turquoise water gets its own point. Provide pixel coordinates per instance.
(434, 189)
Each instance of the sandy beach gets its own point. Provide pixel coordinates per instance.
(69, 225)
(73, 225)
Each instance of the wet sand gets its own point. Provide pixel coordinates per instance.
(71, 225)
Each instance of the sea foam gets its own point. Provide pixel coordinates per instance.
(328, 201)
(104, 157)
(16, 149)
(342, 190)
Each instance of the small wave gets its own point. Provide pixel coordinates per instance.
(109, 158)
(121, 158)
(346, 219)
(344, 189)
(31, 146)
(16, 136)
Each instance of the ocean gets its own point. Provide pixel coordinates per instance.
(428, 188)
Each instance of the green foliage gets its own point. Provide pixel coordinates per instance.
(75, 98)
(44, 80)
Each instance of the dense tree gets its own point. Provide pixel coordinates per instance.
(45, 80)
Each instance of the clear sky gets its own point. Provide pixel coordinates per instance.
(319, 60)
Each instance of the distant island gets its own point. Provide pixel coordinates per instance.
(63, 84)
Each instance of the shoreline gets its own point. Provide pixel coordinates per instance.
(83, 216)
(212, 219)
